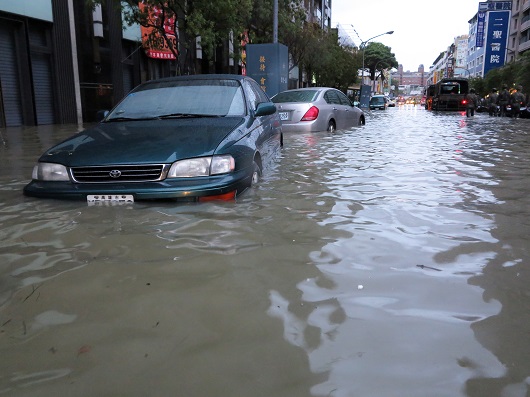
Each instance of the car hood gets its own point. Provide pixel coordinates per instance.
(148, 141)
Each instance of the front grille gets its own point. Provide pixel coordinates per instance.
(119, 173)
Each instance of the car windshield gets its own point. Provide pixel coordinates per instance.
(377, 99)
(295, 96)
(195, 98)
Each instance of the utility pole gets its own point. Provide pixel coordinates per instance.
(275, 23)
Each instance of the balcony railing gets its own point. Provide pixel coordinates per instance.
(525, 24)
(524, 46)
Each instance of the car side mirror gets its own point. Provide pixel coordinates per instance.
(264, 109)
(101, 114)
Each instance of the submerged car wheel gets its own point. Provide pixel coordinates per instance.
(256, 174)
(331, 126)
(362, 121)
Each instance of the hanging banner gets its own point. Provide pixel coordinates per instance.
(153, 41)
(481, 22)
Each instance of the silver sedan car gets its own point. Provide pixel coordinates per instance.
(316, 109)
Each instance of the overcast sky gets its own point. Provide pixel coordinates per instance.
(422, 28)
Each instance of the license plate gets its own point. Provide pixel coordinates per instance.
(284, 116)
(109, 199)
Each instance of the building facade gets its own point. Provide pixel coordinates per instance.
(497, 34)
(519, 37)
(62, 62)
(407, 82)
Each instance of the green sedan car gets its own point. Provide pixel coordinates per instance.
(187, 138)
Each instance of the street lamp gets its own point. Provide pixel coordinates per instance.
(362, 46)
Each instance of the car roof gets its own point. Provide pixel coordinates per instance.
(202, 77)
(312, 88)
(196, 77)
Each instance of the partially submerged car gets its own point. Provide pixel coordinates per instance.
(378, 102)
(317, 109)
(189, 138)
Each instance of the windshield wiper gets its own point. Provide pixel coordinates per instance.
(130, 119)
(186, 115)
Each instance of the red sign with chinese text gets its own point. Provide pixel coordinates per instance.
(152, 40)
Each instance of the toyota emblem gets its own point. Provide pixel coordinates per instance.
(115, 173)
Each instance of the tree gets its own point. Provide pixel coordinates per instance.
(291, 21)
(512, 75)
(378, 57)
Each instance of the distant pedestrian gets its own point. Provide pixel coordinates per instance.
(471, 103)
(492, 102)
(517, 99)
(503, 100)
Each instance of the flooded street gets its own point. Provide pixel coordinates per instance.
(389, 260)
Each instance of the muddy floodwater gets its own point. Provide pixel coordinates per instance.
(390, 260)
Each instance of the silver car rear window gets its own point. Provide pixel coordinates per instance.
(295, 96)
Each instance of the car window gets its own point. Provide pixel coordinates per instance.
(251, 96)
(344, 100)
(255, 94)
(450, 89)
(201, 97)
(331, 97)
(295, 96)
(262, 96)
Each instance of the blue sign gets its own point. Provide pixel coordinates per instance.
(268, 64)
(497, 36)
(494, 5)
(481, 24)
(366, 91)
(484, 7)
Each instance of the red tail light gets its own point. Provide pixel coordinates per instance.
(311, 114)
(464, 102)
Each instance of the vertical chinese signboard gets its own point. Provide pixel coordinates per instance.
(498, 20)
(268, 64)
(481, 22)
(154, 44)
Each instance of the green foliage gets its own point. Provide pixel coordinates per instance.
(378, 57)
(512, 75)
(291, 19)
(326, 62)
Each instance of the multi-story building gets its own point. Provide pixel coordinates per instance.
(319, 12)
(495, 35)
(519, 38)
(407, 81)
(460, 55)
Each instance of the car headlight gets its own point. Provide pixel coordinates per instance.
(202, 166)
(50, 172)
